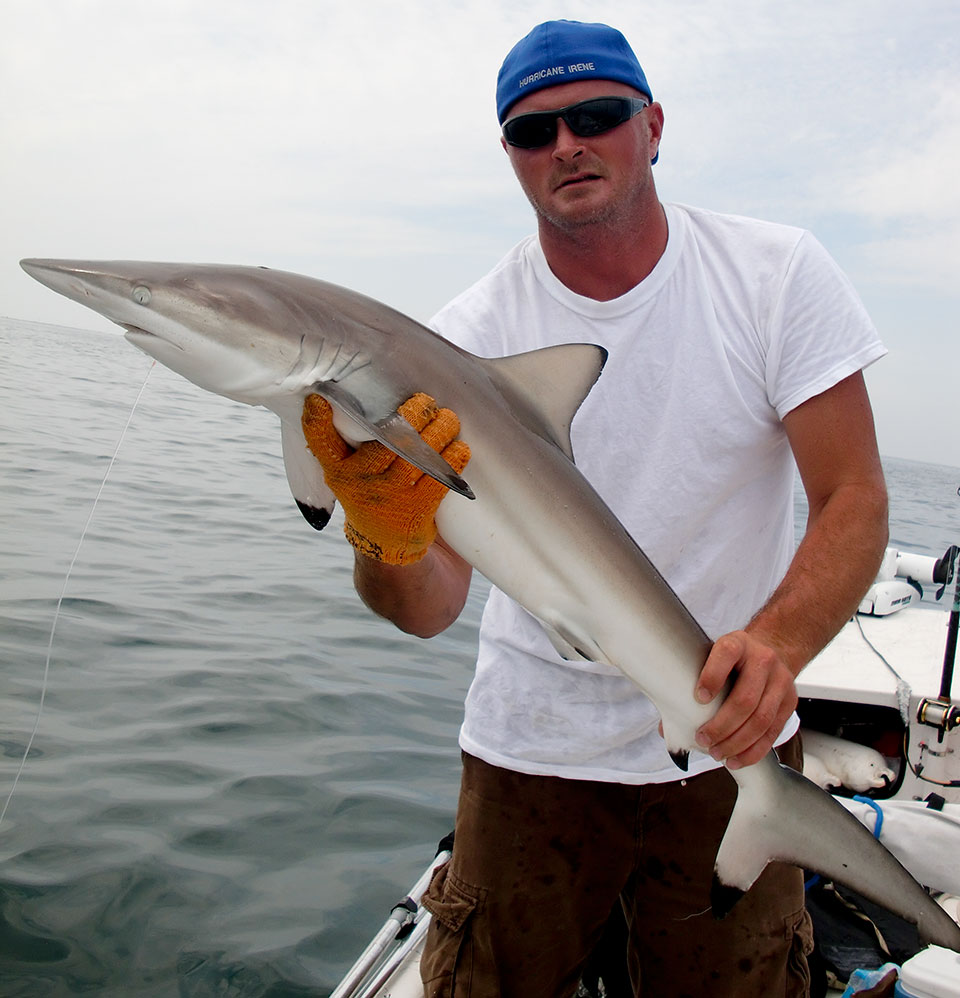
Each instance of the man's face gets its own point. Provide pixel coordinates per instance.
(574, 181)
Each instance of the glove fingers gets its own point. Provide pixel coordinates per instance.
(428, 490)
(439, 429)
(418, 410)
(389, 505)
(333, 452)
(372, 458)
(326, 445)
(456, 454)
(442, 429)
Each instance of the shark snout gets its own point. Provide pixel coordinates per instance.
(66, 277)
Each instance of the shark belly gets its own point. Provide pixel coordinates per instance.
(568, 561)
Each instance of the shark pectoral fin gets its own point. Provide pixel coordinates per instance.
(305, 477)
(781, 815)
(397, 434)
(553, 381)
(393, 432)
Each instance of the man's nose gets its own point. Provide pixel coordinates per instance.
(567, 144)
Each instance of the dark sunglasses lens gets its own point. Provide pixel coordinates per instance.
(597, 116)
(530, 131)
(589, 117)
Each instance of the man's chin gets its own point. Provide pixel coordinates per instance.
(576, 212)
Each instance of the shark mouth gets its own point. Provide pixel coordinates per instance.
(138, 336)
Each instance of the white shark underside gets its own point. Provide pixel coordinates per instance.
(527, 520)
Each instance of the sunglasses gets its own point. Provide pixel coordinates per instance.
(585, 118)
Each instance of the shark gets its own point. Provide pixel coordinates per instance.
(522, 513)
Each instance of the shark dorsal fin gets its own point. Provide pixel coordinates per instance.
(551, 382)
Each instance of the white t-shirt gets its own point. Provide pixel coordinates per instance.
(739, 322)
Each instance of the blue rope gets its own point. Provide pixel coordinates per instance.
(879, 822)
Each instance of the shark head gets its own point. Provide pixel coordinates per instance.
(211, 324)
(267, 337)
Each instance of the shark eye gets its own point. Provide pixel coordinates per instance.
(141, 294)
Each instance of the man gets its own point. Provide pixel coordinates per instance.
(735, 348)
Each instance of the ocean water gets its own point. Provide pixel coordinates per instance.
(237, 769)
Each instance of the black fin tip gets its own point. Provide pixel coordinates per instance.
(723, 898)
(318, 518)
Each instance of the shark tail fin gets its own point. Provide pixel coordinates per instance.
(780, 815)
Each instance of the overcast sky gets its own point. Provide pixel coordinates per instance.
(357, 141)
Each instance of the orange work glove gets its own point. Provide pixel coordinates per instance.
(389, 504)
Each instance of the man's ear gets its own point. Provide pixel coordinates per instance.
(655, 125)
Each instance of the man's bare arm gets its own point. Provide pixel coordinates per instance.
(834, 443)
(423, 598)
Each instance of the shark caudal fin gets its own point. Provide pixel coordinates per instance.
(780, 815)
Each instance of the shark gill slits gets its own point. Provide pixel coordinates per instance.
(141, 294)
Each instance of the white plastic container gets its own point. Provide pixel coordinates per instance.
(932, 973)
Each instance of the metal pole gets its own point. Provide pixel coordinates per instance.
(950, 651)
(401, 916)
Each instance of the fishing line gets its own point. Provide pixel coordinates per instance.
(903, 687)
(63, 593)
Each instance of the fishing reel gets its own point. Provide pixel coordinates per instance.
(939, 714)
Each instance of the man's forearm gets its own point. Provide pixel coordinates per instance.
(423, 598)
(833, 567)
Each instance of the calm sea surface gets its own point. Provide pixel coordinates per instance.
(238, 769)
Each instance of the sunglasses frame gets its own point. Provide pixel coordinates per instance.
(630, 107)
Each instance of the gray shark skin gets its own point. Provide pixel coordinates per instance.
(525, 517)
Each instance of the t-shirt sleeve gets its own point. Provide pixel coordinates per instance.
(819, 333)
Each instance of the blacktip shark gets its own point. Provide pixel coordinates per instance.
(528, 520)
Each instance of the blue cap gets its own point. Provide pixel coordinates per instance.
(564, 52)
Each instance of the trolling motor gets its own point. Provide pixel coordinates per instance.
(940, 712)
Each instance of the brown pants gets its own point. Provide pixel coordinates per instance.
(539, 863)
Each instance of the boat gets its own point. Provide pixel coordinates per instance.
(881, 724)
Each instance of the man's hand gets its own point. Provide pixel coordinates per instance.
(760, 702)
(389, 504)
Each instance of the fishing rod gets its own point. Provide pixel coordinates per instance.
(940, 712)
